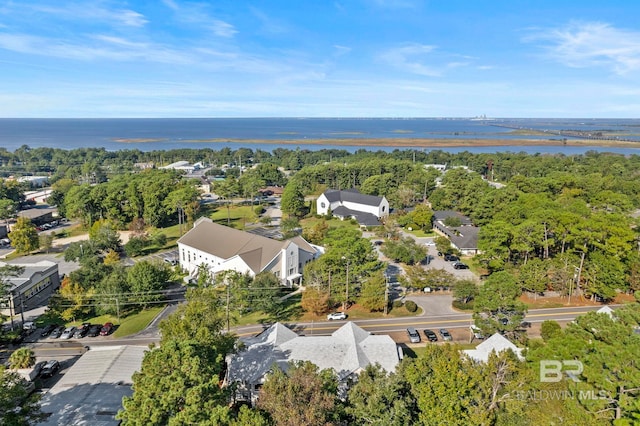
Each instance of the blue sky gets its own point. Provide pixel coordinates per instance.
(320, 58)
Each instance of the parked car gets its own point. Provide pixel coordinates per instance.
(46, 331)
(106, 329)
(50, 368)
(57, 332)
(477, 333)
(451, 257)
(525, 324)
(460, 265)
(68, 332)
(81, 331)
(337, 316)
(446, 336)
(430, 335)
(29, 327)
(94, 330)
(504, 320)
(414, 337)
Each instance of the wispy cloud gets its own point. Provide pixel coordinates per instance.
(93, 12)
(341, 50)
(589, 44)
(223, 29)
(412, 58)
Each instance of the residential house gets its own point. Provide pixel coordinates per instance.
(347, 351)
(221, 248)
(31, 288)
(496, 343)
(184, 166)
(366, 209)
(464, 238)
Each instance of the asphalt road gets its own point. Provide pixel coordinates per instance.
(394, 325)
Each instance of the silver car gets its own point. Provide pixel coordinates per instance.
(68, 333)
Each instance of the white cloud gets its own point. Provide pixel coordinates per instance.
(341, 50)
(223, 29)
(411, 58)
(84, 11)
(590, 44)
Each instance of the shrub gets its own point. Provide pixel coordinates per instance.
(411, 306)
(258, 210)
(457, 304)
(135, 246)
(397, 304)
(160, 240)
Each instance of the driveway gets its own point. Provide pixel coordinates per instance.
(434, 304)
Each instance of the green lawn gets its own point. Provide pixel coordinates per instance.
(240, 215)
(419, 233)
(333, 223)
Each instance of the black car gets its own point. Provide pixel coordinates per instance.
(57, 332)
(451, 258)
(504, 321)
(50, 368)
(94, 330)
(81, 331)
(460, 265)
(48, 329)
(430, 335)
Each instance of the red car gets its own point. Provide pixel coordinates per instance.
(106, 329)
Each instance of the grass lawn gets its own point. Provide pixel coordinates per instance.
(420, 233)
(240, 215)
(128, 325)
(333, 223)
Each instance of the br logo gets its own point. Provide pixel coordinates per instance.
(552, 370)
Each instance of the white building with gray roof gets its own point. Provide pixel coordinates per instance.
(366, 209)
(347, 351)
(221, 248)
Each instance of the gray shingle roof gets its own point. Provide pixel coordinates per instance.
(348, 350)
(352, 195)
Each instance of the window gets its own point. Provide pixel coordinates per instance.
(383, 208)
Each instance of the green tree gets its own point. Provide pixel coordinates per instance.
(178, 383)
(24, 236)
(465, 291)
(497, 307)
(380, 398)
(292, 202)
(302, 395)
(22, 358)
(18, 406)
(549, 329)
(201, 319)
(146, 279)
(372, 293)
(104, 235)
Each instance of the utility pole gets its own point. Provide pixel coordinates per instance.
(386, 295)
(346, 298)
(228, 297)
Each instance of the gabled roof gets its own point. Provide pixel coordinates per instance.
(348, 350)
(353, 196)
(496, 343)
(366, 219)
(225, 243)
(441, 215)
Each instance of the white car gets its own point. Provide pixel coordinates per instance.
(337, 316)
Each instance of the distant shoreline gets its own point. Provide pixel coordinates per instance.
(403, 142)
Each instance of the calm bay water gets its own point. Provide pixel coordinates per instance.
(166, 134)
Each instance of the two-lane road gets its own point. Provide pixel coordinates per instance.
(392, 325)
